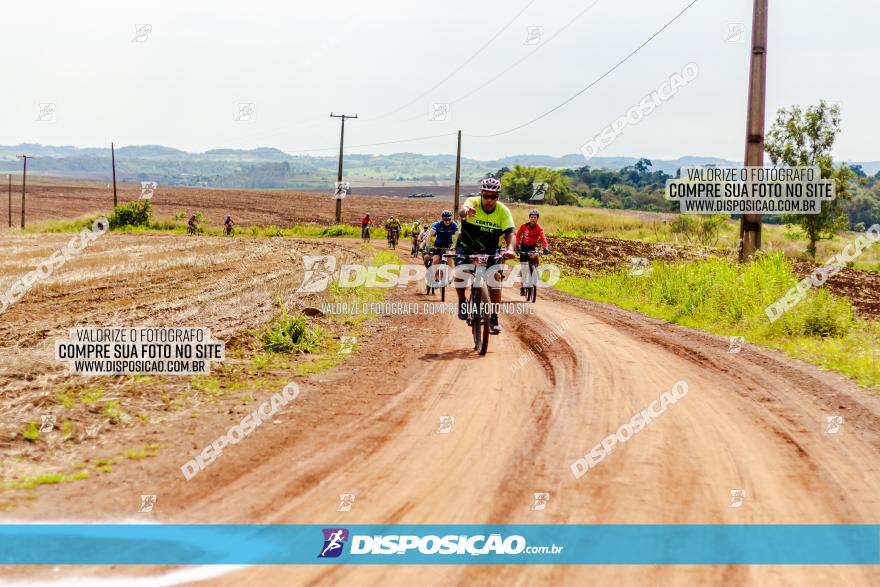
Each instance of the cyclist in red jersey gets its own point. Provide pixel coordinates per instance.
(527, 238)
(366, 223)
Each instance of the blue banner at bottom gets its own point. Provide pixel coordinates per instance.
(669, 544)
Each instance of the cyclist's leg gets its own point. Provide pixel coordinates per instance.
(495, 297)
(461, 283)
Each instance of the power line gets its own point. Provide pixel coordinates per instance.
(515, 63)
(527, 55)
(312, 121)
(592, 83)
(459, 68)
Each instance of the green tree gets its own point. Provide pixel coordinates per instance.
(804, 138)
(516, 185)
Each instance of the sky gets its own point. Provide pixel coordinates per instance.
(186, 74)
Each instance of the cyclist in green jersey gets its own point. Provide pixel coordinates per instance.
(484, 221)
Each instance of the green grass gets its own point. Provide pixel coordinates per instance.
(260, 361)
(91, 395)
(112, 411)
(66, 400)
(148, 451)
(173, 227)
(726, 298)
(206, 384)
(45, 479)
(31, 432)
(289, 333)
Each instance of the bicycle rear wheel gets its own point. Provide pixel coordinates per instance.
(479, 323)
(532, 292)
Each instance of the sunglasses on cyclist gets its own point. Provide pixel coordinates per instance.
(489, 196)
(447, 220)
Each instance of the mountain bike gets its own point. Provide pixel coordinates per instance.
(191, 229)
(444, 277)
(393, 237)
(365, 234)
(415, 245)
(531, 291)
(478, 302)
(229, 230)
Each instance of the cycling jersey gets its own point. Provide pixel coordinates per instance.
(443, 233)
(393, 224)
(366, 221)
(425, 239)
(481, 233)
(526, 235)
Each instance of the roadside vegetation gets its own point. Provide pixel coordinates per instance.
(726, 298)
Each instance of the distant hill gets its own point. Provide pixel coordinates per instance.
(272, 168)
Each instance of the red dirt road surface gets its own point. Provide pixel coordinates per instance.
(368, 426)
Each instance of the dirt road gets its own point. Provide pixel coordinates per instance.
(752, 421)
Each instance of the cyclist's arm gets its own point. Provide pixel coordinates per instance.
(509, 239)
(544, 239)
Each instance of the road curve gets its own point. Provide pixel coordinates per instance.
(752, 420)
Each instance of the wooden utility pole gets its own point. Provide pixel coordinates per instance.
(113, 158)
(750, 224)
(9, 177)
(23, 183)
(339, 172)
(457, 174)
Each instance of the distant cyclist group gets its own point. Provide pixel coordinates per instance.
(484, 222)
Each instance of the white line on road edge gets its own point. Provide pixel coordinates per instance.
(187, 574)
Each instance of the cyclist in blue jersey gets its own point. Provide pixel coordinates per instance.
(444, 232)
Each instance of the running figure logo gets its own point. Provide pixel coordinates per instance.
(334, 541)
(737, 496)
(47, 423)
(147, 503)
(539, 190)
(317, 272)
(638, 266)
(147, 189)
(346, 500)
(541, 500)
(446, 423)
(833, 424)
(735, 344)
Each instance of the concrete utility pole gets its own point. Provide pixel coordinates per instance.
(457, 173)
(750, 224)
(339, 172)
(23, 182)
(113, 159)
